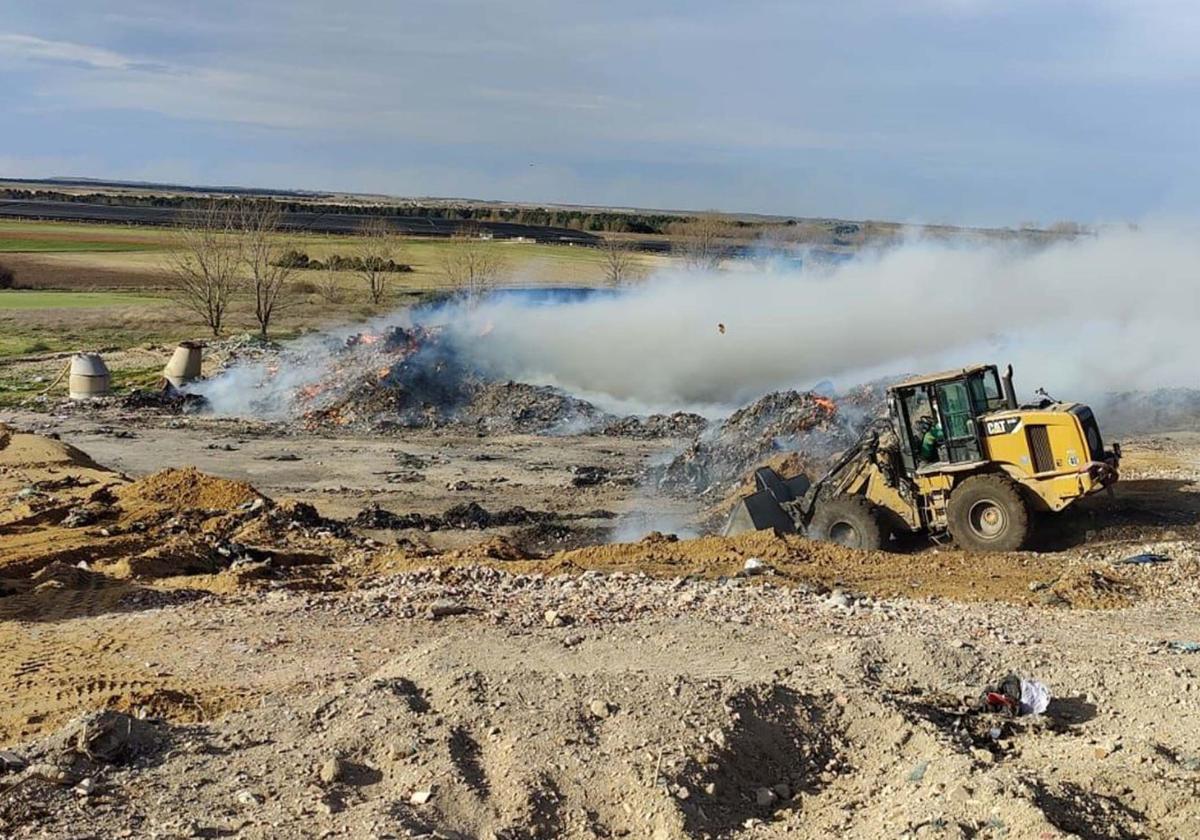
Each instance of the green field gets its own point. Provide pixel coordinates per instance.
(30, 237)
(17, 245)
(20, 299)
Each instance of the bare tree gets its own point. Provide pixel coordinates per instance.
(471, 264)
(700, 242)
(205, 261)
(329, 285)
(269, 272)
(620, 264)
(377, 249)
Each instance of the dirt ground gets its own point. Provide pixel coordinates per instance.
(289, 673)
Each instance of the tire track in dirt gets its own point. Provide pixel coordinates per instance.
(51, 673)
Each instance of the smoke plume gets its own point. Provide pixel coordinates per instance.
(1107, 312)
(1115, 311)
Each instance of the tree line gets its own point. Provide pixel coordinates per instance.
(228, 250)
(598, 221)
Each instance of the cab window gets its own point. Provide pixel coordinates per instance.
(956, 409)
(986, 391)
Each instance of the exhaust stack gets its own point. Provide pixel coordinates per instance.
(1006, 382)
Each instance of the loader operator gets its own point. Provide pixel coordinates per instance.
(932, 435)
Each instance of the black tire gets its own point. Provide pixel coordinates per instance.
(988, 513)
(848, 520)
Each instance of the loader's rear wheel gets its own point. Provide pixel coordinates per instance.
(988, 513)
(848, 521)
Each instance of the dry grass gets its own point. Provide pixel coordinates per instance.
(67, 258)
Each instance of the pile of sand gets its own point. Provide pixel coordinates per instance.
(188, 488)
(27, 459)
(42, 478)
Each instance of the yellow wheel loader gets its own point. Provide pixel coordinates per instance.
(956, 455)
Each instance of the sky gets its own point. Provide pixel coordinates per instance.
(957, 111)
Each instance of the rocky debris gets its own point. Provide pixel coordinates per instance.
(599, 709)
(87, 746)
(445, 607)
(10, 762)
(782, 421)
(84, 515)
(248, 798)
(408, 461)
(839, 600)
(495, 720)
(331, 770)
(589, 476)
(469, 516)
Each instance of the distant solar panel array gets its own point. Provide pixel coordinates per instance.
(67, 211)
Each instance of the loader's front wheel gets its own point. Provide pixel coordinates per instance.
(850, 521)
(988, 513)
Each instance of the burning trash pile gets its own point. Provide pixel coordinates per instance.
(397, 378)
(402, 377)
(781, 422)
(681, 424)
(521, 407)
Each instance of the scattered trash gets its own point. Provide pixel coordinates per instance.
(1184, 647)
(1144, 559)
(754, 566)
(1035, 697)
(588, 476)
(918, 772)
(1016, 696)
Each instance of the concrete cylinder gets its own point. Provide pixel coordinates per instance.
(184, 365)
(89, 376)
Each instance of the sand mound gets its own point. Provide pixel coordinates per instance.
(187, 487)
(21, 450)
(42, 479)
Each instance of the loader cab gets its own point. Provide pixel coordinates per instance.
(952, 402)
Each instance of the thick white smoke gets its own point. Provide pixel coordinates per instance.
(1108, 312)
(267, 388)
(1117, 311)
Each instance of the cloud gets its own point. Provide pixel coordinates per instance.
(66, 52)
(1014, 110)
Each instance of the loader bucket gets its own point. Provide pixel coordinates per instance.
(764, 508)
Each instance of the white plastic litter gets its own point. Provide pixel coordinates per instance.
(1035, 697)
